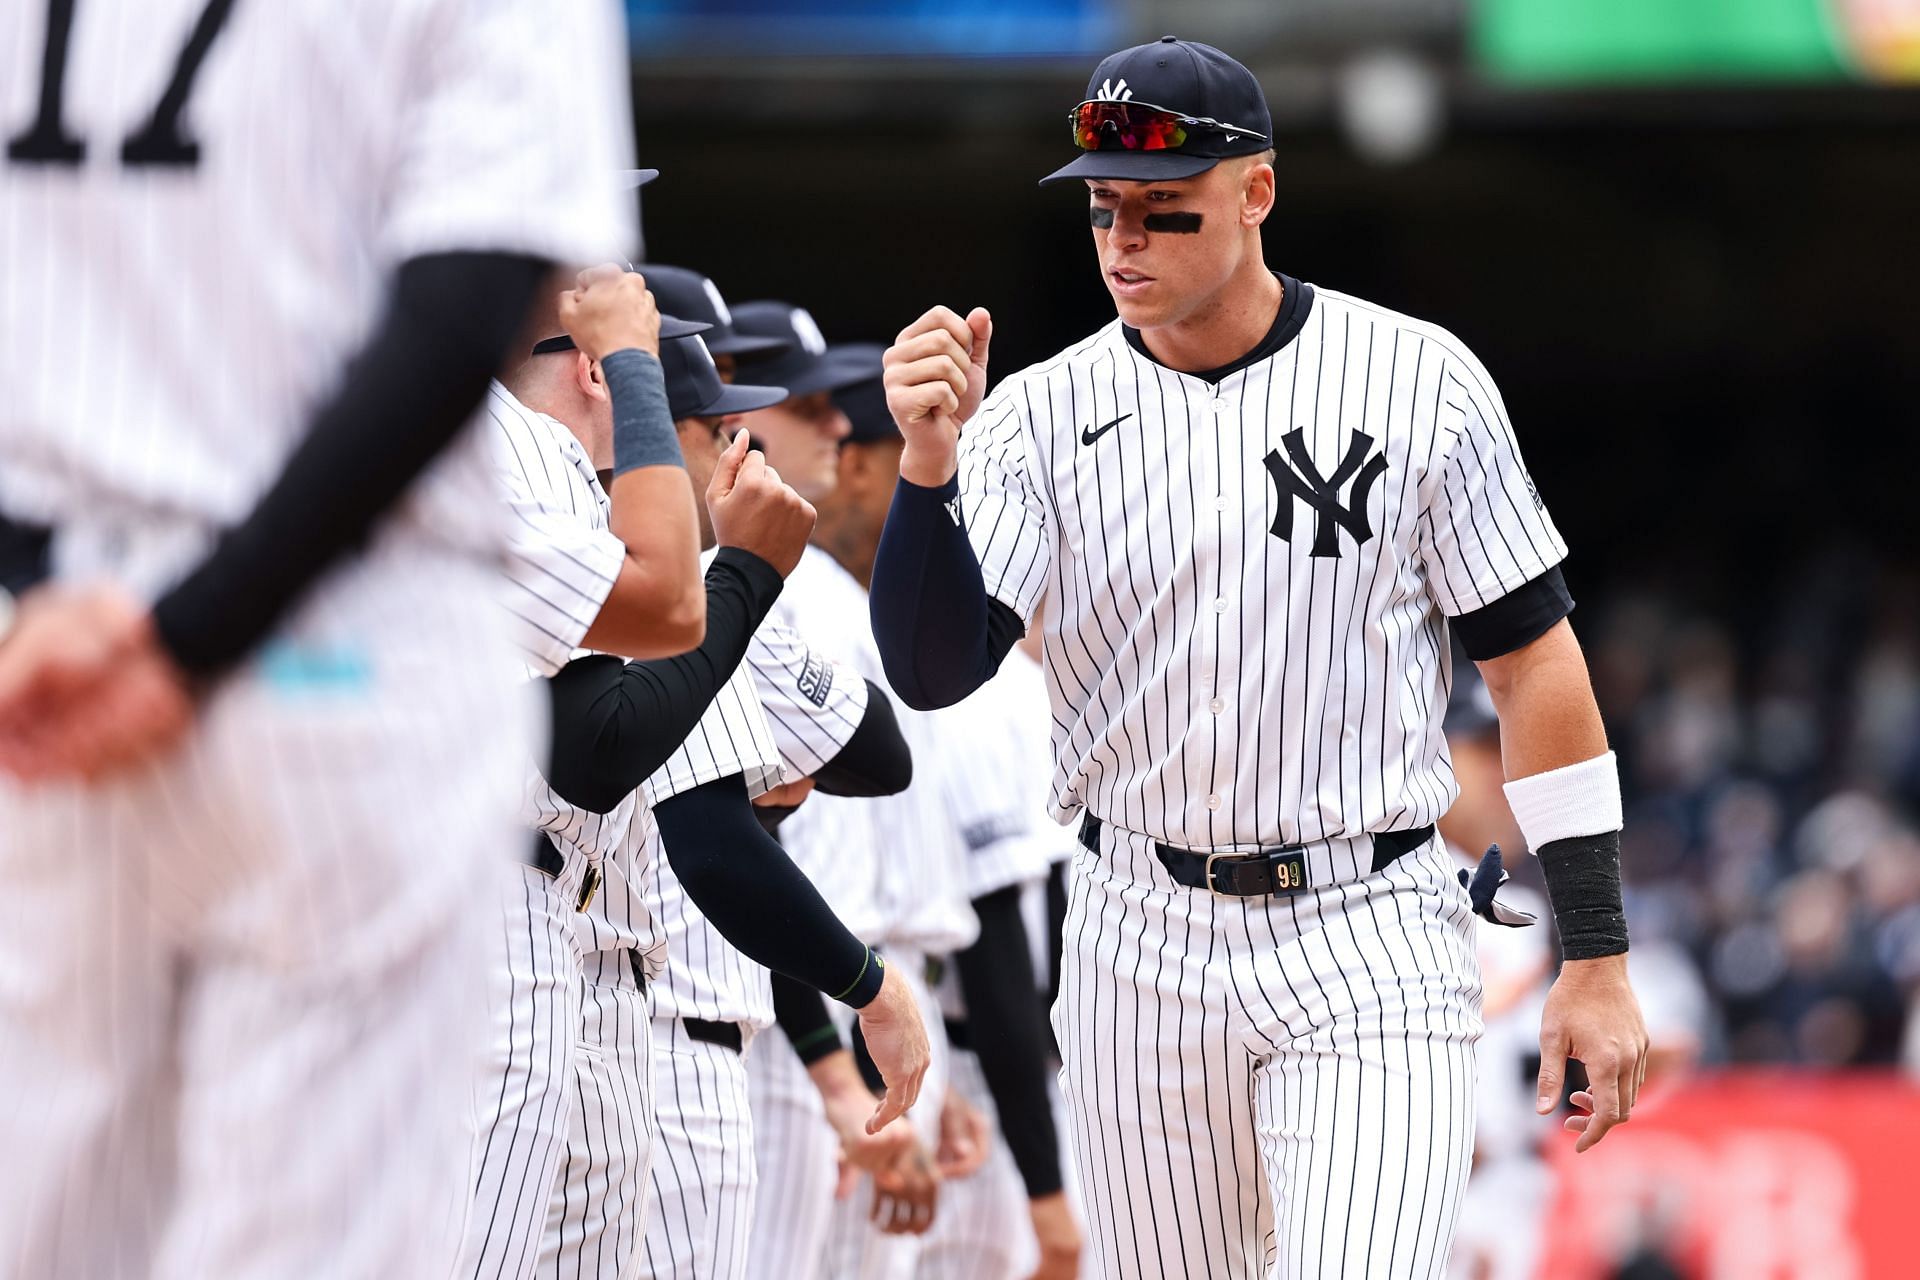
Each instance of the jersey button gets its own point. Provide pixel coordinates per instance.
(1220, 605)
(1217, 705)
(1220, 408)
(1213, 802)
(1220, 503)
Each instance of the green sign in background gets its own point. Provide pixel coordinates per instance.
(1659, 40)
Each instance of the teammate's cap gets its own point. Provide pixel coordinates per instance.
(865, 403)
(670, 327)
(1212, 108)
(692, 296)
(694, 389)
(809, 365)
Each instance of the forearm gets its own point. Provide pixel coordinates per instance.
(1563, 787)
(744, 882)
(656, 606)
(404, 398)
(1007, 1022)
(929, 602)
(1544, 698)
(615, 723)
(801, 1012)
(876, 760)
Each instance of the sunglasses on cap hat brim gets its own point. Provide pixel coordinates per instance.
(1141, 142)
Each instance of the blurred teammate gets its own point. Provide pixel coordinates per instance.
(1255, 509)
(244, 312)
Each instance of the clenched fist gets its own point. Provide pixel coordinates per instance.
(935, 375)
(611, 309)
(755, 510)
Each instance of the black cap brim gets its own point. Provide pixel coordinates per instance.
(674, 327)
(741, 344)
(741, 398)
(1133, 166)
(837, 368)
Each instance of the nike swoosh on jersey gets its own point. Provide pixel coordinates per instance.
(1089, 434)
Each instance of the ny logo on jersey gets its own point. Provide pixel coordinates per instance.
(1302, 480)
(1111, 92)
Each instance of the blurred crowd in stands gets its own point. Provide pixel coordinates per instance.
(1772, 784)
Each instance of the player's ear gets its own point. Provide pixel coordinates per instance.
(586, 371)
(1257, 192)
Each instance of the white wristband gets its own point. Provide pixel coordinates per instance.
(1580, 800)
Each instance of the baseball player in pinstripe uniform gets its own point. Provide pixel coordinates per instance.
(569, 578)
(243, 313)
(923, 911)
(1256, 509)
(712, 1000)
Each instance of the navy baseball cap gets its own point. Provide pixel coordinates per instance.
(670, 327)
(809, 364)
(694, 389)
(1218, 104)
(865, 403)
(692, 296)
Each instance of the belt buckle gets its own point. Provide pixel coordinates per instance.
(1206, 873)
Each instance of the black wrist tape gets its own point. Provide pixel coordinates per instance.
(1583, 881)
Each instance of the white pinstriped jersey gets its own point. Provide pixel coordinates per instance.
(994, 758)
(705, 977)
(1247, 583)
(324, 143)
(812, 706)
(831, 838)
(561, 562)
(562, 559)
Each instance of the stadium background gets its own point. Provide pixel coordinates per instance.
(1682, 235)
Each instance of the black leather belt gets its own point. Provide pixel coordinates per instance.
(547, 859)
(725, 1034)
(639, 970)
(26, 555)
(1254, 875)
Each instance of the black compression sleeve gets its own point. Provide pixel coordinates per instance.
(876, 760)
(745, 883)
(802, 1014)
(615, 722)
(929, 602)
(404, 397)
(1008, 1026)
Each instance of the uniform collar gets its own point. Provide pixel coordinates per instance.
(1296, 302)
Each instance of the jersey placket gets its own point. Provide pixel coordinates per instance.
(1219, 661)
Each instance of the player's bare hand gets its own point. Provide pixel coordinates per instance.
(754, 510)
(1058, 1233)
(897, 1040)
(85, 688)
(1591, 1015)
(611, 309)
(906, 1195)
(935, 374)
(966, 1137)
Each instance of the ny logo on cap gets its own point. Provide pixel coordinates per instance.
(811, 339)
(1302, 482)
(1111, 92)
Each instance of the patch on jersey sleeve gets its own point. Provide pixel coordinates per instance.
(816, 680)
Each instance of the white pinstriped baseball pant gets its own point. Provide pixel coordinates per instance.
(1268, 1087)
